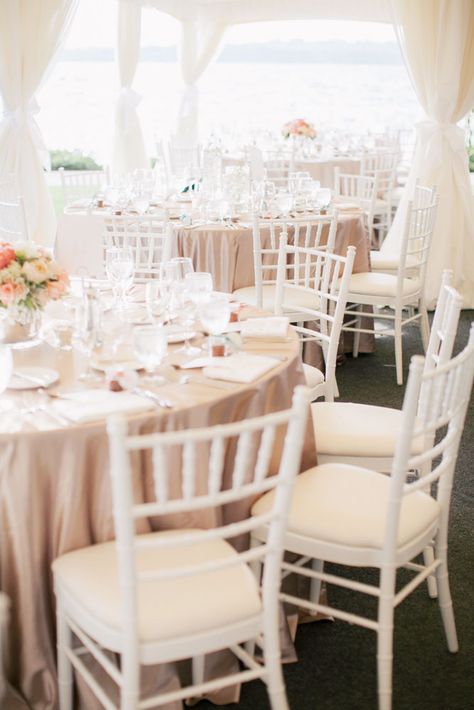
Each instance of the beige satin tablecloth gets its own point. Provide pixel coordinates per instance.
(55, 496)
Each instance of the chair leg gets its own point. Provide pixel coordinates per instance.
(256, 567)
(65, 671)
(445, 601)
(398, 348)
(198, 669)
(130, 691)
(358, 324)
(385, 639)
(428, 558)
(424, 326)
(275, 681)
(315, 585)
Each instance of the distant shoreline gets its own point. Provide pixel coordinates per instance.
(271, 52)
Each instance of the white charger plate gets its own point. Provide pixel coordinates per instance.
(40, 377)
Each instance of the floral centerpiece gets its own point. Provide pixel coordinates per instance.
(29, 278)
(299, 127)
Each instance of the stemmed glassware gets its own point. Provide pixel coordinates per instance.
(119, 267)
(157, 296)
(284, 201)
(85, 336)
(199, 286)
(215, 314)
(150, 345)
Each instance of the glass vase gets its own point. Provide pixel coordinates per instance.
(19, 327)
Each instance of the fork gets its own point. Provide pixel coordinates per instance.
(164, 403)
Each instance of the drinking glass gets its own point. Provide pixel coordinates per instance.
(150, 345)
(58, 333)
(157, 296)
(6, 366)
(119, 267)
(215, 315)
(199, 286)
(141, 202)
(185, 316)
(85, 338)
(284, 201)
(324, 198)
(176, 269)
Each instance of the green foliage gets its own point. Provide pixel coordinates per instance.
(471, 159)
(72, 160)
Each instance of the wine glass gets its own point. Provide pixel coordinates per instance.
(150, 345)
(85, 338)
(140, 201)
(185, 316)
(157, 296)
(119, 267)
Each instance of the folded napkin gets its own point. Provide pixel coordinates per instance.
(346, 206)
(89, 405)
(268, 327)
(240, 367)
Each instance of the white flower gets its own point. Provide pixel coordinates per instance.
(36, 271)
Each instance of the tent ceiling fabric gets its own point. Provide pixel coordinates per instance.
(233, 12)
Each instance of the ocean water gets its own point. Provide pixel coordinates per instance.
(77, 100)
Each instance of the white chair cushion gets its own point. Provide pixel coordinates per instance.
(167, 608)
(370, 283)
(388, 262)
(293, 298)
(347, 505)
(312, 375)
(349, 429)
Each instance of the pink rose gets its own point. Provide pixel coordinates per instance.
(7, 255)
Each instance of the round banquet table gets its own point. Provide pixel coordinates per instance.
(226, 251)
(55, 496)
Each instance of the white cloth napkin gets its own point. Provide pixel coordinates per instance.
(346, 206)
(89, 405)
(270, 327)
(240, 367)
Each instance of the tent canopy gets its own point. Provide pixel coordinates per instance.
(232, 12)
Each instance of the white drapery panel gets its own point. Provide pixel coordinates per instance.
(30, 35)
(437, 41)
(129, 147)
(200, 40)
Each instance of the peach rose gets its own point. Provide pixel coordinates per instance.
(11, 292)
(56, 289)
(7, 255)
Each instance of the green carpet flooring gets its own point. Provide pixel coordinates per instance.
(336, 669)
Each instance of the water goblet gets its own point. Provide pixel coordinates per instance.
(284, 201)
(150, 345)
(186, 317)
(176, 269)
(215, 314)
(199, 286)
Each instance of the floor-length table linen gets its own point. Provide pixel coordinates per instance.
(55, 496)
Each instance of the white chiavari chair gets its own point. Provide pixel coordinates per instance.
(388, 263)
(309, 231)
(183, 593)
(277, 168)
(303, 270)
(180, 159)
(13, 225)
(365, 434)
(382, 165)
(82, 184)
(360, 189)
(353, 517)
(401, 293)
(150, 238)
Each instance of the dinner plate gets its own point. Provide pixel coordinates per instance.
(28, 378)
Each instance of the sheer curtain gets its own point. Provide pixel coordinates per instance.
(30, 35)
(200, 41)
(437, 41)
(129, 148)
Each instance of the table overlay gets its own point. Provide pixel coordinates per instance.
(55, 496)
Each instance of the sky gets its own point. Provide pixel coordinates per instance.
(95, 26)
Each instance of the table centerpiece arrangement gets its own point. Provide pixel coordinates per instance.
(29, 279)
(301, 132)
